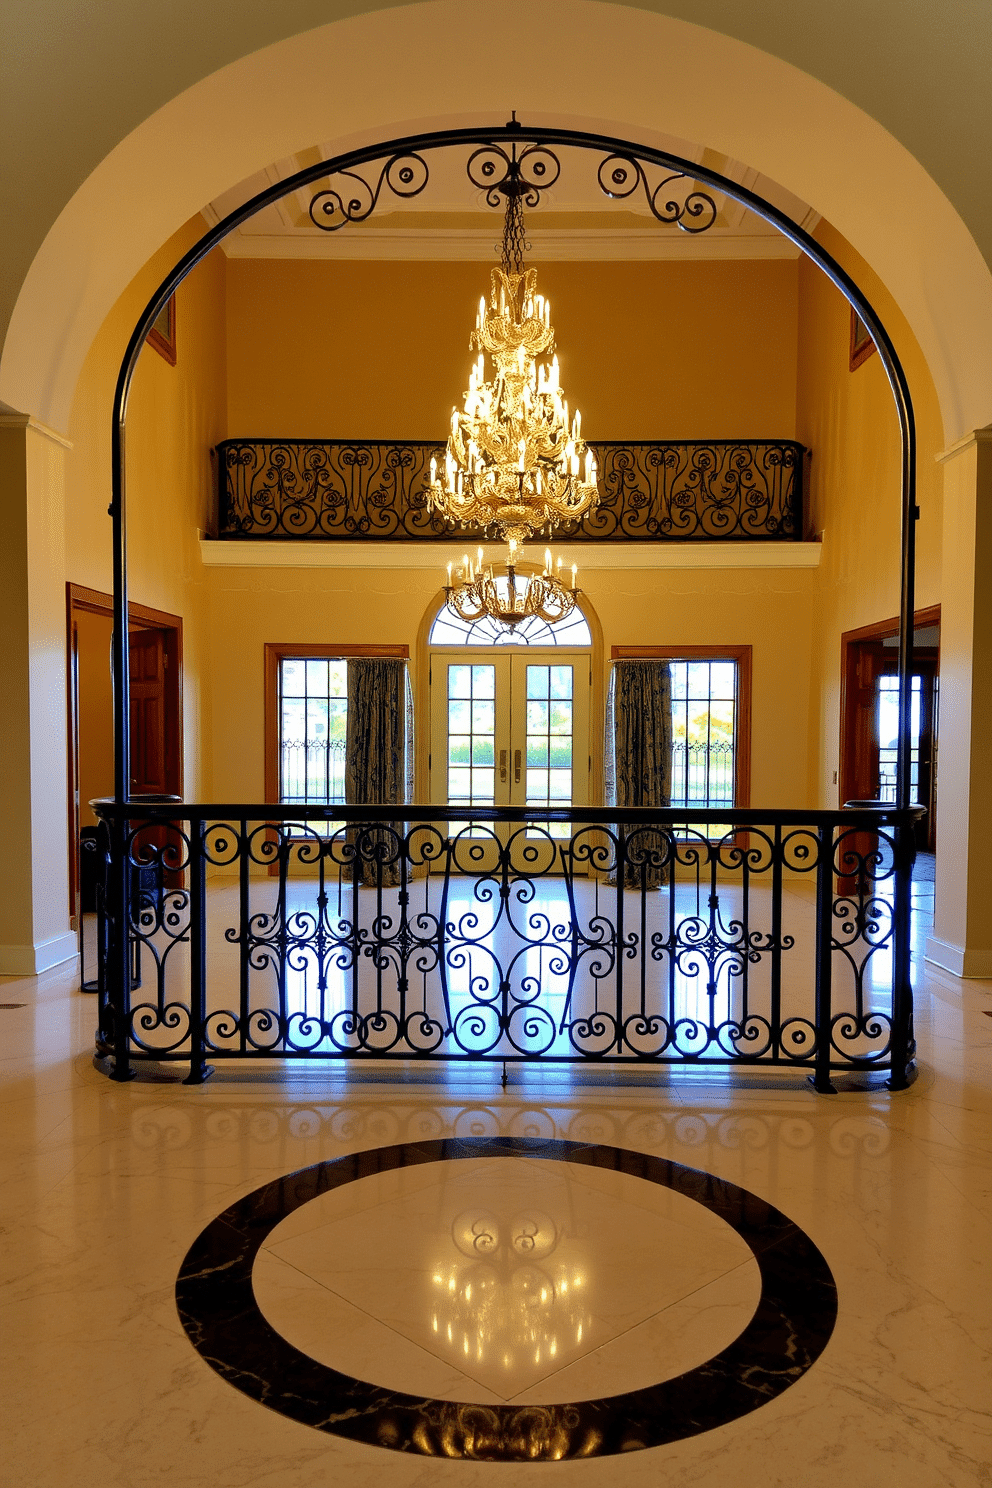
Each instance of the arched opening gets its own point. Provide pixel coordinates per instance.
(551, 834)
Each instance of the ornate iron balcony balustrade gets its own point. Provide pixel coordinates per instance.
(364, 490)
(640, 938)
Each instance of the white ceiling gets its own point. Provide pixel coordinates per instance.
(450, 219)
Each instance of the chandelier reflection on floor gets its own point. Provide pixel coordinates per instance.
(515, 461)
(513, 1305)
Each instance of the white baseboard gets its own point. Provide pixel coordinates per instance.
(31, 960)
(960, 961)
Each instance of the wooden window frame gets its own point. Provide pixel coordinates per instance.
(860, 350)
(278, 651)
(742, 720)
(165, 342)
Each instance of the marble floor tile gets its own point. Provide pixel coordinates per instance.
(105, 1188)
(512, 1269)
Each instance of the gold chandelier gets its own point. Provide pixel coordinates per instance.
(514, 462)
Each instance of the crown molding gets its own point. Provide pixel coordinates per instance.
(468, 245)
(966, 442)
(11, 420)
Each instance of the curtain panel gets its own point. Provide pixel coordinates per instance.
(379, 758)
(639, 758)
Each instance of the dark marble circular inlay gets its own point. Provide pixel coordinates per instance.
(789, 1330)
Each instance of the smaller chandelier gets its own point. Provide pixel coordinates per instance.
(510, 596)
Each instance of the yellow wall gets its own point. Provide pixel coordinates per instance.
(848, 419)
(175, 415)
(661, 350)
(771, 610)
(380, 350)
(649, 350)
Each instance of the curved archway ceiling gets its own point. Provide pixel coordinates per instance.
(450, 220)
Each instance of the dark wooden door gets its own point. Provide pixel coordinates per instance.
(152, 768)
(155, 736)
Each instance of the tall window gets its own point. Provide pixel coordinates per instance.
(306, 720)
(313, 728)
(711, 722)
(704, 737)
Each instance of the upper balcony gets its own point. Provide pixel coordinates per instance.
(650, 491)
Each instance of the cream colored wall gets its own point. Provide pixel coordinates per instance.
(175, 416)
(583, 62)
(770, 610)
(380, 350)
(849, 421)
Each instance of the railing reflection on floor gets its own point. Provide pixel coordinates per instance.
(638, 939)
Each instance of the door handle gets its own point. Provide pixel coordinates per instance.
(502, 765)
(516, 766)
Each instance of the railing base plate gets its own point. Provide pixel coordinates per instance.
(199, 1076)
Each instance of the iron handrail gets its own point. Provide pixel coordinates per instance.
(884, 814)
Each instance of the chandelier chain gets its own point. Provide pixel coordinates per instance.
(514, 241)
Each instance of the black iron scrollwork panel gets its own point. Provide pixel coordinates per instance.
(675, 199)
(653, 492)
(351, 197)
(699, 490)
(651, 940)
(330, 488)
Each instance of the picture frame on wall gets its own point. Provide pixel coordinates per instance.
(163, 332)
(862, 345)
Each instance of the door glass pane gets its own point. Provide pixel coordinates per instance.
(550, 706)
(472, 735)
(888, 737)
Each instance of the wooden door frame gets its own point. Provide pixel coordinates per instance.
(538, 655)
(140, 617)
(881, 630)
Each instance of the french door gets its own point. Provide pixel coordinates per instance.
(871, 730)
(510, 730)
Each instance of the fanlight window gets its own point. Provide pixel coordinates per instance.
(449, 630)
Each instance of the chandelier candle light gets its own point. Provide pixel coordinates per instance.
(510, 597)
(515, 461)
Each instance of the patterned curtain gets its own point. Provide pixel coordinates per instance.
(379, 758)
(639, 757)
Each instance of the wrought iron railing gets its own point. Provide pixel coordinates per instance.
(639, 939)
(696, 490)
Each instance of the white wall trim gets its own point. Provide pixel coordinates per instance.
(473, 245)
(966, 442)
(960, 961)
(607, 557)
(32, 960)
(12, 420)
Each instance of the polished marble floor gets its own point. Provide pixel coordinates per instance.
(492, 1280)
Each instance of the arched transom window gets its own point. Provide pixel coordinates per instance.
(449, 630)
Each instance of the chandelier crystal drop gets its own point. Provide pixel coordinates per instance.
(515, 460)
